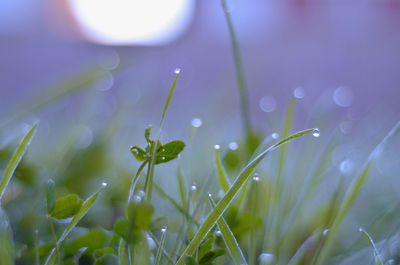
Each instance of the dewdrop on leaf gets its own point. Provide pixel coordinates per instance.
(316, 133)
(177, 71)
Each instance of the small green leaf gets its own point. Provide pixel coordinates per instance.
(169, 151)
(66, 206)
(50, 195)
(140, 214)
(77, 217)
(107, 259)
(147, 133)
(92, 240)
(102, 251)
(139, 153)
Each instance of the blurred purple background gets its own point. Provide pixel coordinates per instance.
(316, 45)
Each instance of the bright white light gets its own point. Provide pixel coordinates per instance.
(124, 22)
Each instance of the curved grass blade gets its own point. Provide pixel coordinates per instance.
(171, 92)
(378, 257)
(229, 239)
(307, 246)
(64, 88)
(241, 79)
(78, 216)
(15, 159)
(222, 176)
(224, 203)
(352, 193)
(161, 246)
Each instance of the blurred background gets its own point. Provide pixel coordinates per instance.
(97, 72)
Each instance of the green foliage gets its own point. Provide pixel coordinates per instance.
(66, 206)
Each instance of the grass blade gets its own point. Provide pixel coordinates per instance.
(229, 239)
(78, 216)
(171, 92)
(15, 159)
(222, 176)
(241, 79)
(160, 247)
(182, 191)
(6, 242)
(352, 193)
(378, 257)
(223, 204)
(306, 247)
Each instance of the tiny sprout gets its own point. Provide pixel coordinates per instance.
(316, 132)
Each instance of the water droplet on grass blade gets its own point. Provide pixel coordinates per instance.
(233, 146)
(104, 184)
(193, 187)
(316, 132)
(218, 233)
(177, 71)
(209, 194)
(256, 177)
(275, 135)
(196, 122)
(299, 93)
(325, 232)
(217, 147)
(164, 229)
(266, 258)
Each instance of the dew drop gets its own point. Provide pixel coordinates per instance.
(163, 158)
(104, 184)
(193, 187)
(233, 145)
(325, 232)
(218, 233)
(141, 193)
(346, 167)
(196, 122)
(267, 104)
(266, 258)
(299, 93)
(316, 132)
(256, 177)
(177, 71)
(150, 242)
(217, 147)
(164, 229)
(343, 96)
(209, 195)
(275, 135)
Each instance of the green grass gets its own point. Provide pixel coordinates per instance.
(287, 205)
